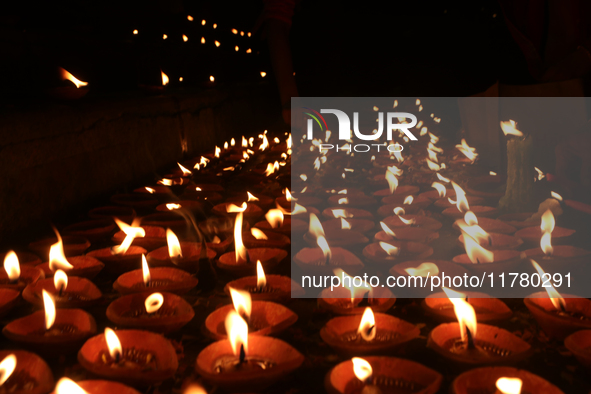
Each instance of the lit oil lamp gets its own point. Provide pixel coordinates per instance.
(393, 184)
(487, 309)
(160, 279)
(131, 356)
(461, 206)
(83, 266)
(244, 362)
(506, 380)
(533, 235)
(51, 331)
(17, 277)
(472, 343)
(277, 222)
(351, 299)
(264, 287)
(73, 292)
(23, 372)
(185, 255)
(262, 317)
(140, 202)
(72, 89)
(492, 241)
(73, 245)
(158, 312)
(243, 261)
(479, 259)
(110, 212)
(439, 191)
(123, 257)
(67, 386)
(93, 230)
(368, 333)
(377, 375)
(558, 315)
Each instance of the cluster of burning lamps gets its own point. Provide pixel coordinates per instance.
(154, 269)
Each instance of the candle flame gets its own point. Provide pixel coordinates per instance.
(442, 178)
(341, 213)
(546, 244)
(232, 208)
(361, 368)
(60, 280)
(468, 151)
(392, 181)
(541, 174)
(194, 389)
(408, 200)
(548, 222)
(131, 232)
(185, 170)
(251, 197)
(274, 217)
(433, 166)
(387, 229)
(261, 278)
(173, 206)
(49, 307)
(476, 253)
(298, 209)
(146, 271)
(113, 343)
(315, 227)
(440, 188)
(12, 266)
(7, 367)
(509, 385)
(461, 202)
(57, 257)
(67, 386)
(237, 331)
(390, 249)
(154, 302)
(556, 196)
(150, 190)
(242, 301)
(345, 225)
(424, 270)
(464, 312)
(555, 297)
(164, 78)
(240, 249)
(399, 211)
(367, 325)
(474, 231)
(174, 246)
(470, 218)
(510, 128)
(69, 77)
(258, 234)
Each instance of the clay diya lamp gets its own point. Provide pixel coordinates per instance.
(123, 213)
(485, 379)
(387, 253)
(246, 362)
(8, 299)
(487, 309)
(425, 269)
(494, 241)
(27, 373)
(26, 258)
(559, 315)
(357, 225)
(250, 211)
(262, 317)
(158, 312)
(346, 213)
(359, 201)
(66, 386)
(154, 238)
(243, 261)
(264, 287)
(83, 266)
(579, 344)
(72, 292)
(51, 331)
(135, 357)
(408, 233)
(347, 299)
(479, 260)
(475, 343)
(520, 220)
(139, 202)
(368, 333)
(490, 187)
(160, 279)
(256, 238)
(93, 230)
(162, 193)
(487, 224)
(419, 221)
(533, 235)
(375, 374)
(73, 245)
(16, 277)
(185, 255)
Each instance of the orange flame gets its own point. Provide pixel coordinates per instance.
(185, 170)
(154, 302)
(146, 271)
(60, 280)
(361, 368)
(113, 343)
(240, 249)
(172, 206)
(274, 217)
(509, 385)
(242, 302)
(7, 367)
(461, 202)
(424, 269)
(174, 247)
(67, 386)
(555, 297)
(390, 249)
(49, 307)
(387, 229)
(237, 331)
(164, 78)
(546, 244)
(468, 151)
(12, 266)
(367, 325)
(510, 128)
(345, 225)
(261, 278)
(69, 77)
(408, 200)
(476, 253)
(131, 232)
(392, 181)
(442, 178)
(464, 312)
(258, 234)
(548, 222)
(251, 197)
(232, 208)
(440, 188)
